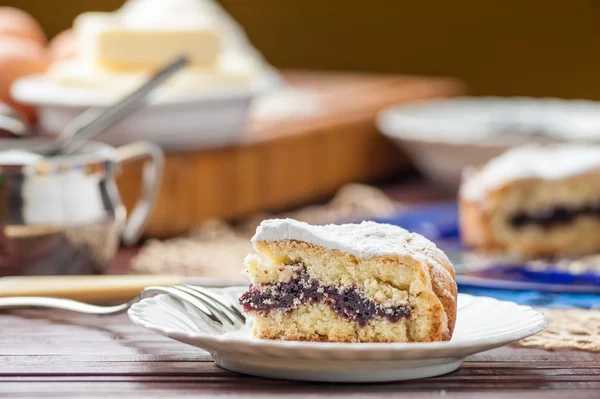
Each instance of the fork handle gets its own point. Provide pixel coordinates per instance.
(19, 302)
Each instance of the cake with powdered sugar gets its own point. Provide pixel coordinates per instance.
(366, 282)
(535, 201)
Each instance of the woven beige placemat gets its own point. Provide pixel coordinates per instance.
(568, 329)
(217, 249)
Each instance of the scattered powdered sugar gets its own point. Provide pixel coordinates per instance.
(549, 162)
(365, 240)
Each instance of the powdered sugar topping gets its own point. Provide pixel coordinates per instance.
(544, 162)
(365, 240)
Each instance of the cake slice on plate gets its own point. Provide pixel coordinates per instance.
(535, 201)
(365, 282)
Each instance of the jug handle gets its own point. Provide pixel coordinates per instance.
(151, 179)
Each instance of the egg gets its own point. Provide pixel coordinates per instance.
(18, 23)
(63, 46)
(18, 58)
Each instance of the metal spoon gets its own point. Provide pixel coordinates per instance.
(92, 122)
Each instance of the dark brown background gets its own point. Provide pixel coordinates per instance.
(510, 47)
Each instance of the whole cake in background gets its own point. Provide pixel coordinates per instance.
(534, 201)
(365, 282)
(116, 51)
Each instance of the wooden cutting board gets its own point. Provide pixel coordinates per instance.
(285, 163)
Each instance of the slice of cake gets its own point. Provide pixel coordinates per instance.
(535, 201)
(365, 282)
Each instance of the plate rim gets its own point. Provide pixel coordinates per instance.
(523, 286)
(485, 342)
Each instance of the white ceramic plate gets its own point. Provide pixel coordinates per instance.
(482, 324)
(445, 136)
(213, 118)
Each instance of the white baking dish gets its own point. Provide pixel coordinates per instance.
(444, 136)
(213, 118)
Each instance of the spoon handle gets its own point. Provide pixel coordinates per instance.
(90, 123)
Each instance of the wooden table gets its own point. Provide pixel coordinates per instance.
(54, 354)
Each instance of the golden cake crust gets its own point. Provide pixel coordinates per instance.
(475, 228)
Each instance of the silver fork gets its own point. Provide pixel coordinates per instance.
(218, 311)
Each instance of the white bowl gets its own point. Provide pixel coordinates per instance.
(445, 136)
(213, 118)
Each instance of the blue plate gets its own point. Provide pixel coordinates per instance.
(439, 223)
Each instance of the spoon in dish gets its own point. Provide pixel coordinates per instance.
(92, 121)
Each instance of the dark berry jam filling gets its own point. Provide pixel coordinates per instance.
(347, 302)
(557, 216)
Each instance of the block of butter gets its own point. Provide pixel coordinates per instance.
(112, 42)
